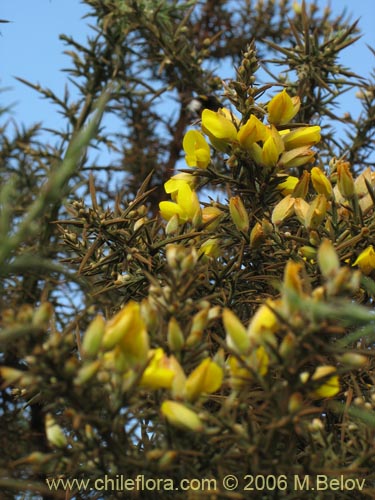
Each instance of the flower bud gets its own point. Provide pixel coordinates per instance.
(239, 214)
(92, 337)
(180, 416)
(295, 402)
(345, 180)
(316, 212)
(328, 260)
(42, 315)
(257, 235)
(283, 210)
(237, 336)
(87, 372)
(54, 433)
(302, 187)
(175, 337)
(321, 183)
(282, 108)
(331, 385)
(353, 360)
(198, 325)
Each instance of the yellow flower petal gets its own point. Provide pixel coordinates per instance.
(218, 125)
(302, 136)
(252, 131)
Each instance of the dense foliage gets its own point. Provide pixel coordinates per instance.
(201, 306)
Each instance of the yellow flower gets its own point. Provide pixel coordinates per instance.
(366, 260)
(302, 136)
(272, 148)
(330, 387)
(196, 149)
(252, 131)
(240, 375)
(158, 373)
(320, 182)
(264, 323)
(282, 108)
(186, 207)
(218, 125)
(205, 379)
(174, 183)
(126, 331)
(210, 248)
(287, 186)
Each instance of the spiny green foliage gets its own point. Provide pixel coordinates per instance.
(235, 338)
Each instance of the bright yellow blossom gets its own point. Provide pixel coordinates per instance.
(186, 206)
(252, 131)
(282, 108)
(264, 323)
(126, 332)
(174, 183)
(210, 248)
(158, 373)
(288, 185)
(196, 149)
(218, 125)
(205, 379)
(330, 387)
(366, 260)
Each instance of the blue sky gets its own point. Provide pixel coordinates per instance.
(30, 48)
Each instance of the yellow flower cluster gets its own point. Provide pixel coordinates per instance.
(253, 348)
(264, 143)
(267, 146)
(312, 214)
(121, 348)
